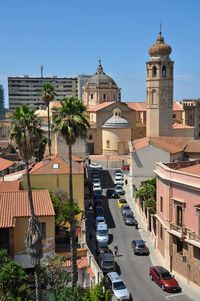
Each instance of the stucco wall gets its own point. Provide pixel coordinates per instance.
(20, 231)
(54, 182)
(115, 136)
(186, 132)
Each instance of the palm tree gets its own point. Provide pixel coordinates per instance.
(48, 94)
(26, 133)
(71, 122)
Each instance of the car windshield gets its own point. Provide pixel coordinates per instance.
(166, 275)
(119, 285)
(129, 215)
(141, 246)
(102, 232)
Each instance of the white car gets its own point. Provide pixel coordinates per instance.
(96, 186)
(96, 181)
(118, 287)
(95, 166)
(99, 219)
(119, 182)
(119, 174)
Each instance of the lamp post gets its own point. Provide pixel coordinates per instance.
(107, 156)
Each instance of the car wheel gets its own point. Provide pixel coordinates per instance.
(163, 287)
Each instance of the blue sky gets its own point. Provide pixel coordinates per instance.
(68, 38)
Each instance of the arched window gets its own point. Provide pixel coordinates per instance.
(164, 71)
(108, 143)
(154, 71)
(153, 97)
(90, 137)
(116, 112)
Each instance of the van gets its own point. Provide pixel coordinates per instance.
(102, 236)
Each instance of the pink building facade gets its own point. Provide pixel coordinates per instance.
(178, 217)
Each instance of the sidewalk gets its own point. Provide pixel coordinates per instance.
(193, 291)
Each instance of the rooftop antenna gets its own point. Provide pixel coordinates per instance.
(41, 69)
(160, 29)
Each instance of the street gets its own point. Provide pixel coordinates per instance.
(132, 268)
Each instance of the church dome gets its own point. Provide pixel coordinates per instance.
(100, 78)
(160, 48)
(116, 122)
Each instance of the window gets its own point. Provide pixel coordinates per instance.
(90, 137)
(164, 71)
(108, 143)
(55, 166)
(174, 115)
(42, 227)
(153, 97)
(179, 246)
(179, 216)
(154, 71)
(104, 96)
(161, 204)
(161, 232)
(91, 96)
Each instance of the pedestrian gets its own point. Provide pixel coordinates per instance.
(126, 182)
(136, 224)
(115, 249)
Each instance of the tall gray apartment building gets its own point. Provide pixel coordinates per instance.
(28, 90)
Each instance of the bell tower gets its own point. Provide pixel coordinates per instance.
(159, 89)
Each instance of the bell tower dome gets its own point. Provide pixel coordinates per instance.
(159, 89)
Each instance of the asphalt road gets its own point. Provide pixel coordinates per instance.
(132, 268)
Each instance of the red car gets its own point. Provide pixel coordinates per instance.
(164, 279)
(125, 167)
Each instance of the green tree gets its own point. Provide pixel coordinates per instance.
(71, 122)
(26, 134)
(48, 94)
(61, 204)
(12, 279)
(147, 193)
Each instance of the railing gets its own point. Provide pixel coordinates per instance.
(194, 236)
(181, 230)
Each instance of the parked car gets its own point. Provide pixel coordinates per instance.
(99, 211)
(129, 218)
(119, 181)
(118, 287)
(139, 247)
(118, 171)
(125, 167)
(97, 194)
(99, 219)
(96, 180)
(164, 279)
(111, 193)
(102, 235)
(95, 166)
(124, 208)
(106, 262)
(96, 186)
(121, 202)
(119, 189)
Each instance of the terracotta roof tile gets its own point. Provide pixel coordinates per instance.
(194, 169)
(137, 106)
(15, 204)
(57, 164)
(99, 106)
(81, 263)
(193, 147)
(91, 273)
(177, 125)
(177, 106)
(171, 144)
(4, 164)
(9, 185)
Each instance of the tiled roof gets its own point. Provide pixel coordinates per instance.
(99, 106)
(141, 106)
(194, 169)
(193, 147)
(4, 164)
(57, 164)
(137, 106)
(81, 263)
(177, 125)
(15, 204)
(9, 185)
(55, 104)
(171, 144)
(15, 175)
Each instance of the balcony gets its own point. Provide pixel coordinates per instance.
(178, 231)
(194, 239)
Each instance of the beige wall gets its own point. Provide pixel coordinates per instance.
(115, 136)
(54, 182)
(20, 231)
(185, 132)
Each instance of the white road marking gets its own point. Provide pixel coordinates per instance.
(174, 295)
